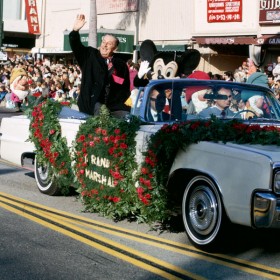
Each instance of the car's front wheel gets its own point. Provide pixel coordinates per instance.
(44, 179)
(203, 214)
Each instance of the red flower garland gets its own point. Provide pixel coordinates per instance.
(165, 143)
(104, 163)
(45, 133)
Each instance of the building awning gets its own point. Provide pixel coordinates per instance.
(17, 50)
(49, 51)
(168, 48)
(234, 40)
(239, 40)
(126, 39)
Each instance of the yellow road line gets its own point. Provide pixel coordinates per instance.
(187, 253)
(211, 258)
(112, 252)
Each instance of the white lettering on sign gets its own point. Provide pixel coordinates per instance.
(269, 4)
(99, 178)
(100, 162)
(274, 41)
(32, 16)
(94, 175)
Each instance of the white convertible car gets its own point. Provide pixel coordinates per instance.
(213, 182)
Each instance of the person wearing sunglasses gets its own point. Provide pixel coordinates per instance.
(221, 105)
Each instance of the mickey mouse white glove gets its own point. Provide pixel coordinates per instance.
(144, 69)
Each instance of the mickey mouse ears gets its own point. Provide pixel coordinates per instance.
(147, 50)
(189, 61)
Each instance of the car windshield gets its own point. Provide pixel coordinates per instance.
(184, 99)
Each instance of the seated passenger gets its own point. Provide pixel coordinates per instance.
(254, 104)
(184, 102)
(240, 106)
(197, 103)
(221, 106)
(165, 105)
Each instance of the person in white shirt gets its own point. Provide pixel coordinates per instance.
(276, 70)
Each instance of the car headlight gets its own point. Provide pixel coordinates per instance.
(276, 184)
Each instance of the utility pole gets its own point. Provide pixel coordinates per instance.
(1, 24)
(92, 35)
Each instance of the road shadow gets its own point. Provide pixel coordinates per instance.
(5, 171)
(236, 239)
(241, 239)
(30, 174)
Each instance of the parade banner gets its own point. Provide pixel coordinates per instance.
(126, 40)
(32, 17)
(224, 11)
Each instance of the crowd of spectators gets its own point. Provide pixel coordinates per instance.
(241, 75)
(62, 81)
(55, 80)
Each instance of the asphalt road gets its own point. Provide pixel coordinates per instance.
(38, 243)
(30, 251)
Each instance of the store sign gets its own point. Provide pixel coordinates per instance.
(229, 41)
(239, 40)
(274, 41)
(32, 16)
(116, 6)
(224, 11)
(10, 45)
(269, 12)
(125, 45)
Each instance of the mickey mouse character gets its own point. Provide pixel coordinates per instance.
(164, 65)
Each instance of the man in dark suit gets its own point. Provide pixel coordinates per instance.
(105, 78)
(221, 106)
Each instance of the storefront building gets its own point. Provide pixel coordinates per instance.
(131, 20)
(17, 38)
(222, 30)
(230, 28)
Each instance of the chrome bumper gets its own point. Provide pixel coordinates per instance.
(266, 210)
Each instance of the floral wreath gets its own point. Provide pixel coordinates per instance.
(105, 172)
(51, 147)
(104, 165)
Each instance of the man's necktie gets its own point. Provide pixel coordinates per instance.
(166, 108)
(109, 63)
(223, 114)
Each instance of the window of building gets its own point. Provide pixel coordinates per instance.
(14, 10)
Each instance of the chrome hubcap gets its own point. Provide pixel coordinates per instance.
(203, 210)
